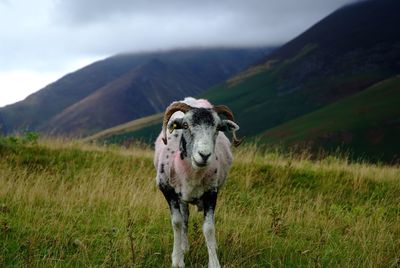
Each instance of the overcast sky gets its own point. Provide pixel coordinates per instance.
(42, 40)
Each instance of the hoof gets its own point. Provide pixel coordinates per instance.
(179, 265)
(214, 264)
(178, 261)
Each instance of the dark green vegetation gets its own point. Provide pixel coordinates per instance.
(66, 204)
(334, 61)
(367, 124)
(122, 88)
(143, 130)
(147, 134)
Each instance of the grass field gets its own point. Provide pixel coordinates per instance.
(69, 204)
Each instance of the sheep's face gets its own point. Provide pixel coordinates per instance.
(200, 128)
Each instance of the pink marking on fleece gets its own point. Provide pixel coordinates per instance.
(181, 166)
(197, 103)
(204, 103)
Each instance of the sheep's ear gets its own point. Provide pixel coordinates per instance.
(228, 125)
(175, 124)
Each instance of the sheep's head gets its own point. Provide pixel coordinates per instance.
(200, 128)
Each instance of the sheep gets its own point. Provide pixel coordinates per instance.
(192, 159)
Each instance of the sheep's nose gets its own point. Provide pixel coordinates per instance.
(204, 156)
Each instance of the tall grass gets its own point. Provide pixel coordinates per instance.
(69, 204)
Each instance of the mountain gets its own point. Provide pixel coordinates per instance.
(344, 54)
(124, 87)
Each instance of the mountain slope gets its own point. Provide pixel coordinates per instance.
(141, 92)
(367, 123)
(66, 106)
(143, 129)
(47, 102)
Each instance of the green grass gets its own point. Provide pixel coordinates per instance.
(68, 204)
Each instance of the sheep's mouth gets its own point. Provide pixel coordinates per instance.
(200, 165)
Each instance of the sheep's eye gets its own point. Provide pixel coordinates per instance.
(185, 125)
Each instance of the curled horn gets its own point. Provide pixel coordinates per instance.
(222, 109)
(174, 107)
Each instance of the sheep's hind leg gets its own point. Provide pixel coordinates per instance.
(177, 224)
(210, 201)
(184, 207)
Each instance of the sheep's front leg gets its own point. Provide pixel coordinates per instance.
(184, 207)
(210, 201)
(177, 224)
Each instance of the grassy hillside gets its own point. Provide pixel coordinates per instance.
(367, 123)
(130, 132)
(67, 204)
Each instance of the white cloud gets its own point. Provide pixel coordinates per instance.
(16, 85)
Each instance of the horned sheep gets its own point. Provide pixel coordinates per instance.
(192, 158)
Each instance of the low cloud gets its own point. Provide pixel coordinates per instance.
(50, 35)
